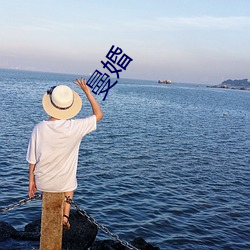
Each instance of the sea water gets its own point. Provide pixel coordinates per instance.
(169, 163)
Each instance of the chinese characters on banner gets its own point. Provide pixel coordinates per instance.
(101, 83)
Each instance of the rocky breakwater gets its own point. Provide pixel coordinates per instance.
(243, 84)
(82, 235)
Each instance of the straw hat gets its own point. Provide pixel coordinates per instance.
(62, 102)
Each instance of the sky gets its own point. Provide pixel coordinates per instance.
(193, 41)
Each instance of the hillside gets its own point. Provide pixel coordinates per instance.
(243, 84)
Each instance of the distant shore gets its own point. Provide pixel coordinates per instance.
(243, 84)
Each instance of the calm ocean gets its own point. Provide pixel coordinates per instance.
(169, 163)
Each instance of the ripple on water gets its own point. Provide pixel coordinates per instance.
(164, 163)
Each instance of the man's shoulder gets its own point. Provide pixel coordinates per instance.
(39, 125)
(86, 125)
(88, 118)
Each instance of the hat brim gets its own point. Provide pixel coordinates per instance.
(69, 113)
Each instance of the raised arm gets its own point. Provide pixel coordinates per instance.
(94, 104)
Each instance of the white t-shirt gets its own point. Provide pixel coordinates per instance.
(54, 147)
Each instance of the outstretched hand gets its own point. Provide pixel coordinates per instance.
(94, 104)
(82, 84)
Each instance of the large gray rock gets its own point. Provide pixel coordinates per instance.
(107, 245)
(81, 235)
(139, 243)
(31, 232)
(6, 231)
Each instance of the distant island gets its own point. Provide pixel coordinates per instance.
(165, 81)
(243, 84)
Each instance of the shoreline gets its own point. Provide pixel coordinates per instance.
(227, 87)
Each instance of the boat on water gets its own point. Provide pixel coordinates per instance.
(165, 81)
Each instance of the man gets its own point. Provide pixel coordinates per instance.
(54, 144)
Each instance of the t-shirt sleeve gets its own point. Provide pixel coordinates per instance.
(86, 125)
(31, 152)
